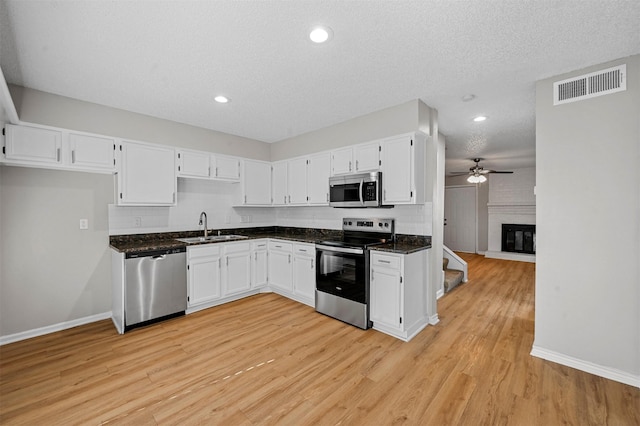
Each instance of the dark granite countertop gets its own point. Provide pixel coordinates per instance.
(404, 244)
(168, 240)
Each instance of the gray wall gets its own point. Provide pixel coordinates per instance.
(403, 118)
(587, 307)
(45, 108)
(52, 272)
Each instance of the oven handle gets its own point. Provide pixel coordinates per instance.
(340, 249)
(360, 192)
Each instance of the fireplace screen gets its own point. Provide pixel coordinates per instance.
(519, 238)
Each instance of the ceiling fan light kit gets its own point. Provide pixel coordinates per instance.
(476, 179)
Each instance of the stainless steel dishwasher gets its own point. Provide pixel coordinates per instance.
(155, 286)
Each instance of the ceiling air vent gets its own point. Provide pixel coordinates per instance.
(590, 85)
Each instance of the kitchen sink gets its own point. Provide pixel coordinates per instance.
(211, 239)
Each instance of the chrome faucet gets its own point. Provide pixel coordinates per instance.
(206, 231)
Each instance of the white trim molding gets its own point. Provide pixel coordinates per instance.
(506, 255)
(16, 337)
(586, 366)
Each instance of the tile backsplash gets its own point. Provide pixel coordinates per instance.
(218, 200)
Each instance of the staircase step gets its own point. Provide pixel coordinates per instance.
(452, 278)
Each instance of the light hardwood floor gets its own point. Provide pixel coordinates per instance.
(269, 360)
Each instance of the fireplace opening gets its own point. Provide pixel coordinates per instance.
(519, 238)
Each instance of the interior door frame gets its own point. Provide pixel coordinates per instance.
(475, 213)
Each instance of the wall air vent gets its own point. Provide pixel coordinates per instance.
(590, 85)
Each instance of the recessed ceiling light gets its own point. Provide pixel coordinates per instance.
(320, 34)
(221, 99)
(479, 118)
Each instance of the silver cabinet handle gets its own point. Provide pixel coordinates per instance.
(357, 166)
(289, 258)
(327, 197)
(58, 155)
(73, 156)
(311, 263)
(245, 199)
(227, 260)
(349, 165)
(289, 199)
(216, 171)
(383, 261)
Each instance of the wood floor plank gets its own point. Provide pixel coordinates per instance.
(267, 360)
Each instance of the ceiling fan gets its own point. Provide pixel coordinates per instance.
(477, 173)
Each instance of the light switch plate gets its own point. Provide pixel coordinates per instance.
(84, 223)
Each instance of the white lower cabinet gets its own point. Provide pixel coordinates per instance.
(203, 279)
(236, 268)
(304, 273)
(398, 298)
(259, 266)
(280, 265)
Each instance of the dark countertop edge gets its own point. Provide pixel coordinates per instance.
(405, 244)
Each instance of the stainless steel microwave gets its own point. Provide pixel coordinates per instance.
(359, 190)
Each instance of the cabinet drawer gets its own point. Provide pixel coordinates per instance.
(387, 261)
(281, 246)
(259, 245)
(237, 247)
(304, 249)
(204, 250)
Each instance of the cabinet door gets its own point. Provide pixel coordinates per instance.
(280, 267)
(237, 268)
(256, 183)
(304, 271)
(148, 175)
(367, 157)
(297, 181)
(386, 296)
(204, 279)
(318, 171)
(341, 161)
(194, 164)
(259, 268)
(397, 170)
(279, 184)
(33, 144)
(226, 168)
(92, 152)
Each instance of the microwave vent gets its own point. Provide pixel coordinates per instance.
(604, 82)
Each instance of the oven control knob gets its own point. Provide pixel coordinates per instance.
(386, 225)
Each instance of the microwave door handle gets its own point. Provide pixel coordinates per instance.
(360, 192)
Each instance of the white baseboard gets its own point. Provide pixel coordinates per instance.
(439, 293)
(589, 367)
(4, 340)
(505, 255)
(434, 319)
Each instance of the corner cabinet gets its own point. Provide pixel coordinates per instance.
(147, 175)
(256, 183)
(280, 267)
(402, 161)
(399, 293)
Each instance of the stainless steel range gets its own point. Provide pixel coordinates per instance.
(342, 273)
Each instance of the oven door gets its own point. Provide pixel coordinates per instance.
(342, 272)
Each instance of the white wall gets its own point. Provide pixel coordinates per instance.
(51, 271)
(215, 198)
(588, 232)
(511, 200)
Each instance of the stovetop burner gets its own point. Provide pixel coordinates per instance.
(363, 233)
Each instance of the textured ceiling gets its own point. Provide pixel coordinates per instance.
(170, 58)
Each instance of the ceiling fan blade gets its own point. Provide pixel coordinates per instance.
(458, 173)
(497, 171)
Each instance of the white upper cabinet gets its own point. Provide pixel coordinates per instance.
(256, 183)
(225, 168)
(297, 181)
(92, 152)
(356, 159)
(33, 144)
(194, 164)
(402, 166)
(367, 157)
(279, 184)
(342, 161)
(147, 175)
(318, 170)
(58, 149)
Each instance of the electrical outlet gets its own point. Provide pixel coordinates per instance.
(138, 221)
(84, 224)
